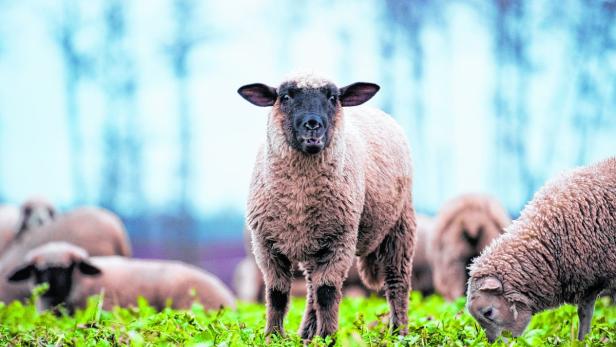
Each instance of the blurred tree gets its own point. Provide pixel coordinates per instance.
(593, 46)
(186, 37)
(410, 17)
(387, 50)
(122, 155)
(512, 38)
(76, 65)
(183, 42)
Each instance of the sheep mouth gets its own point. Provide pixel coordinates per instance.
(312, 145)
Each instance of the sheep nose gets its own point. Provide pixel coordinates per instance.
(312, 123)
(488, 312)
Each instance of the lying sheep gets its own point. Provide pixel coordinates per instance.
(464, 226)
(330, 183)
(73, 277)
(35, 212)
(422, 267)
(249, 285)
(9, 220)
(562, 249)
(98, 231)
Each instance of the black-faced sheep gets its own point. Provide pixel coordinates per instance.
(98, 231)
(328, 185)
(562, 249)
(9, 221)
(464, 226)
(422, 267)
(73, 277)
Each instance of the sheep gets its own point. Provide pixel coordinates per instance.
(422, 268)
(98, 231)
(249, 286)
(464, 226)
(73, 277)
(15, 222)
(562, 249)
(329, 184)
(35, 212)
(9, 219)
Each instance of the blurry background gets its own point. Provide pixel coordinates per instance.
(132, 105)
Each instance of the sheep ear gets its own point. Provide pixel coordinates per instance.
(357, 93)
(259, 94)
(88, 269)
(491, 284)
(22, 274)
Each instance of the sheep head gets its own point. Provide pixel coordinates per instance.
(487, 303)
(307, 107)
(54, 263)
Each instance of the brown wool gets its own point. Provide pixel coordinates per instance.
(465, 225)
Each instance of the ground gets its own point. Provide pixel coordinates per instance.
(433, 322)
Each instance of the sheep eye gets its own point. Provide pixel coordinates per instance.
(332, 99)
(286, 97)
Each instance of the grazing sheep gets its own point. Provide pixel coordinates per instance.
(73, 277)
(562, 249)
(9, 220)
(422, 268)
(464, 226)
(330, 184)
(98, 231)
(249, 286)
(35, 212)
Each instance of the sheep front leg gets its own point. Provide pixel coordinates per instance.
(586, 309)
(327, 277)
(276, 269)
(309, 322)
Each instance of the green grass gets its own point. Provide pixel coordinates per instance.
(433, 322)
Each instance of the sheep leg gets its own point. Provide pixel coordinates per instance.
(276, 269)
(327, 277)
(396, 252)
(309, 322)
(586, 309)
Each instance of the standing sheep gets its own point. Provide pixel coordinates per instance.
(464, 226)
(328, 185)
(562, 249)
(98, 231)
(73, 277)
(9, 220)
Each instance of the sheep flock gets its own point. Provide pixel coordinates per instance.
(330, 214)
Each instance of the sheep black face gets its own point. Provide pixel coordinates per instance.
(308, 111)
(58, 277)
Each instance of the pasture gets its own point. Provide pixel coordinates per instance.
(432, 322)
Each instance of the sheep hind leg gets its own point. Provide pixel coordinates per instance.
(396, 252)
(586, 309)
